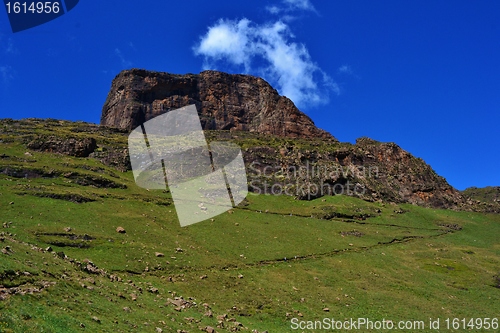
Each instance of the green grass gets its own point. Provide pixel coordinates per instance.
(263, 263)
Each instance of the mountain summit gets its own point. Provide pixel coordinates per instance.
(224, 102)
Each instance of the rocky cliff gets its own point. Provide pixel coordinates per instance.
(371, 170)
(224, 102)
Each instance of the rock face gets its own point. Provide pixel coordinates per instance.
(68, 146)
(369, 170)
(224, 102)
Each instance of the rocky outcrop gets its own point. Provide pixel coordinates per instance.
(370, 170)
(78, 147)
(224, 102)
(487, 197)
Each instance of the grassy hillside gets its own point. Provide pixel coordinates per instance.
(65, 268)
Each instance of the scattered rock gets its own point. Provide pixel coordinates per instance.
(115, 278)
(354, 233)
(159, 254)
(97, 320)
(222, 317)
(179, 303)
(89, 267)
(49, 249)
(121, 230)
(67, 229)
(451, 226)
(209, 329)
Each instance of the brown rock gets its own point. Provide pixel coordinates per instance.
(78, 147)
(120, 230)
(209, 329)
(222, 317)
(369, 170)
(224, 102)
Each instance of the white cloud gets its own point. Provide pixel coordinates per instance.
(345, 69)
(300, 4)
(290, 6)
(227, 40)
(267, 50)
(273, 9)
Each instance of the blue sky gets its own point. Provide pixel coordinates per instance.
(423, 74)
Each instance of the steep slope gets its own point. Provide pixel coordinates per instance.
(224, 102)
